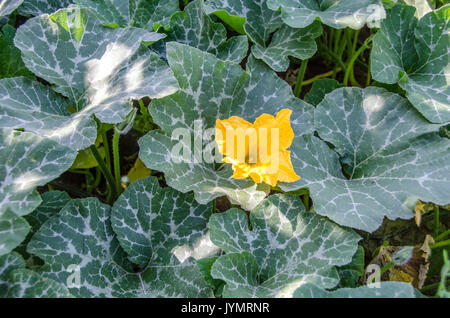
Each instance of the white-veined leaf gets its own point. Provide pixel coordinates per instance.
(334, 13)
(195, 28)
(83, 241)
(285, 248)
(385, 290)
(260, 23)
(39, 7)
(99, 69)
(8, 6)
(142, 14)
(8, 263)
(392, 157)
(24, 283)
(28, 161)
(38, 109)
(415, 54)
(164, 232)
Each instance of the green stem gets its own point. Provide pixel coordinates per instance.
(320, 76)
(334, 56)
(337, 39)
(440, 244)
(340, 54)
(348, 36)
(112, 190)
(436, 220)
(431, 286)
(106, 146)
(98, 177)
(331, 39)
(117, 161)
(301, 76)
(306, 201)
(369, 72)
(386, 268)
(355, 41)
(441, 236)
(354, 57)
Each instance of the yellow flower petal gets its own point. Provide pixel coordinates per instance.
(286, 172)
(263, 159)
(286, 132)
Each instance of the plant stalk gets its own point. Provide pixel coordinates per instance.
(354, 57)
(301, 76)
(116, 157)
(112, 190)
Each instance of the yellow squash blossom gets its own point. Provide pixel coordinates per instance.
(258, 150)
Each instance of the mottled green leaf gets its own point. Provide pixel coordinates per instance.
(8, 6)
(390, 154)
(385, 290)
(334, 13)
(353, 271)
(141, 14)
(81, 240)
(155, 224)
(13, 230)
(415, 54)
(299, 43)
(24, 283)
(8, 263)
(285, 248)
(99, 69)
(212, 89)
(195, 28)
(28, 161)
(39, 7)
(36, 108)
(260, 25)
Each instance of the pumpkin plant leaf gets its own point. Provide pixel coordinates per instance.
(8, 263)
(29, 161)
(385, 290)
(320, 89)
(334, 13)
(99, 69)
(39, 7)
(351, 273)
(8, 6)
(212, 89)
(274, 42)
(24, 283)
(299, 43)
(163, 231)
(141, 14)
(52, 203)
(195, 28)
(415, 54)
(84, 240)
(285, 248)
(38, 109)
(13, 231)
(390, 155)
